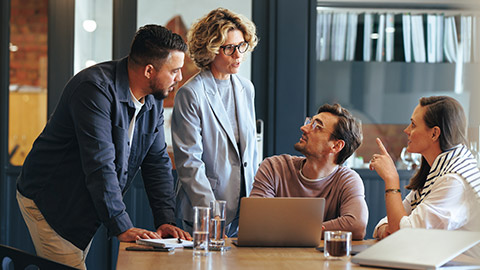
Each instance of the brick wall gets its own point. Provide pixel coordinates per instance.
(28, 70)
(28, 31)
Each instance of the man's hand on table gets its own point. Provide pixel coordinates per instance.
(168, 230)
(133, 234)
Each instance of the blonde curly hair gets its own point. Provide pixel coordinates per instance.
(210, 32)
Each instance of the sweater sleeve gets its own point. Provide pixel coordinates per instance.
(353, 214)
(264, 180)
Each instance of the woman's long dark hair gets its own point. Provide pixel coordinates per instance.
(447, 114)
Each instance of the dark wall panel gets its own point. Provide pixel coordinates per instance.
(291, 73)
(124, 26)
(263, 60)
(281, 69)
(61, 27)
(4, 92)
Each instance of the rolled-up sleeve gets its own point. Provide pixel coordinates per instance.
(444, 208)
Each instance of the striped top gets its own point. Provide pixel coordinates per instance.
(457, 160)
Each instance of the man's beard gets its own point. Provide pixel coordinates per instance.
(161, 94)
(299, 147)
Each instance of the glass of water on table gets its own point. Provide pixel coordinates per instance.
(217, 225)
(200, 230)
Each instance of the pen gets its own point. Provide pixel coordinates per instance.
(139, 248)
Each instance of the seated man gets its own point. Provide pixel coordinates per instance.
(328, 139)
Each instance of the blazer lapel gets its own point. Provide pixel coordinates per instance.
(217, 106)
(242, 118)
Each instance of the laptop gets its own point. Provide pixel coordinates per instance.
(280, 222)
(418, 249)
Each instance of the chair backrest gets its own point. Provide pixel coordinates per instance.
(22, 259)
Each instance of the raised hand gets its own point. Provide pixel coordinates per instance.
(383, 164)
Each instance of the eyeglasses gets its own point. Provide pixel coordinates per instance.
(230, 49)
(308, 121)
(316, 125)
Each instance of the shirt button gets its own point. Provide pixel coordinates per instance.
(126, 172)
(245, 164)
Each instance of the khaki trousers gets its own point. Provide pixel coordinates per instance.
(47, 242)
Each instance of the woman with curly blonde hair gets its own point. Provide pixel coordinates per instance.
(213, 122)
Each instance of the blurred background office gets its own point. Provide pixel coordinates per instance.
(375, 57)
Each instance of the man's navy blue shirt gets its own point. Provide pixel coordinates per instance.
(81, 164)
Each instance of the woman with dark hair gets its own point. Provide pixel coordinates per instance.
(213, 121)
(445, 192)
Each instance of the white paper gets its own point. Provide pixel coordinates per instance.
(450, 41)
(476, 39)
(466, 30)
(351, 36)
(439, 38)
(431, 38)
(418, 39)
(367, 40)
(165, 243)
(407, 37)
(339, 35)
(319, 41)
(381, 38)
(323, 36)
(389, 37)
(325, 33)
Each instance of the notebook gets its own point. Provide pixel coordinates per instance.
(165, 243)
(281, 222)
(418, 249)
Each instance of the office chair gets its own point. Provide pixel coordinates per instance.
(22, 259)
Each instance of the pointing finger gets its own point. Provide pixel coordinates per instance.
(383, 150)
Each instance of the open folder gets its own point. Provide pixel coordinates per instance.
(165, 243)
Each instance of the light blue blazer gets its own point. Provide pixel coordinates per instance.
(207, 157)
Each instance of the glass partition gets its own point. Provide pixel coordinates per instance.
(93, 33)
(28, 76)
(378, 63)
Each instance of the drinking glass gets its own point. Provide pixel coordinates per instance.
(410, 159)
(200, 230)
(407, 158)
(474, 150)
(337, 245)
(217, 224)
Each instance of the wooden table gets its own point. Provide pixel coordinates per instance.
(235, 258)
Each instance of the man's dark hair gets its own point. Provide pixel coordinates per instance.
(152, 45)
(347, 129)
